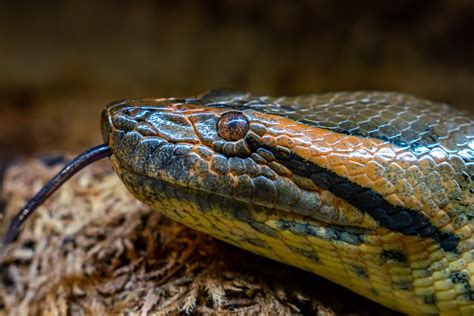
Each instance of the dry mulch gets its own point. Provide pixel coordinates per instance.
(94, 249)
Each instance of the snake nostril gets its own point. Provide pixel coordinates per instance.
(232, 126)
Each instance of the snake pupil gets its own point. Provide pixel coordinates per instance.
(232, 126)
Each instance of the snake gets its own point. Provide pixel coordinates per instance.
(371, 190)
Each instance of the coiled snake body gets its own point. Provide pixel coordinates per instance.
(371, 190)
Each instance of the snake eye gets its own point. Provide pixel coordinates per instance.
(232, 126)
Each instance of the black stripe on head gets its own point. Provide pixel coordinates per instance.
(395, 218)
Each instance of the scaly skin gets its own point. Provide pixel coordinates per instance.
(371, 190)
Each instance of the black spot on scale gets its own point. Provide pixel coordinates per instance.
(447, 241)
(394, 255)
(462, 278)
(264, 229)
(311, 255)
(361, 272)
(403, 285)
(353, 236)
(429, 299)
(257, 242)
(395, 218)
(375, 292)
(458, 277)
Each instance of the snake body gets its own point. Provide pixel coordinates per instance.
(372, 190)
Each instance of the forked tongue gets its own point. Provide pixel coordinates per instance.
(59, 179)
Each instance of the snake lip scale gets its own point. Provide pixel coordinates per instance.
(371, 190)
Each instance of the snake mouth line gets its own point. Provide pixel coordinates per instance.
(297, 223)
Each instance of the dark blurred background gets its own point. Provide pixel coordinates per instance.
(62, 61)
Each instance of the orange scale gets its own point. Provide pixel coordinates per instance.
(303, 152)
(413, 203)
(285, 141)
(355, 168)
(363, 180)
(383, 186)
(300, 141)
(314, 151)
(430, 208)
(375, 170)
(422, 193)
(464, 232)
(385, 154)
(322, 147)
(362, 157)
(336, 159)
(333, 138)
(441, 219)
(340, 170)
(426, 164)
(394, 200)
(321, 161)
(269, 140)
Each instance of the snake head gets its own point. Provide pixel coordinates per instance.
(219, 165)
(187, 144)
(259, 163)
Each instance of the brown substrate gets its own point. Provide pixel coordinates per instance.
(94, 249)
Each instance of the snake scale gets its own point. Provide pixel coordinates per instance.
(371, 190)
